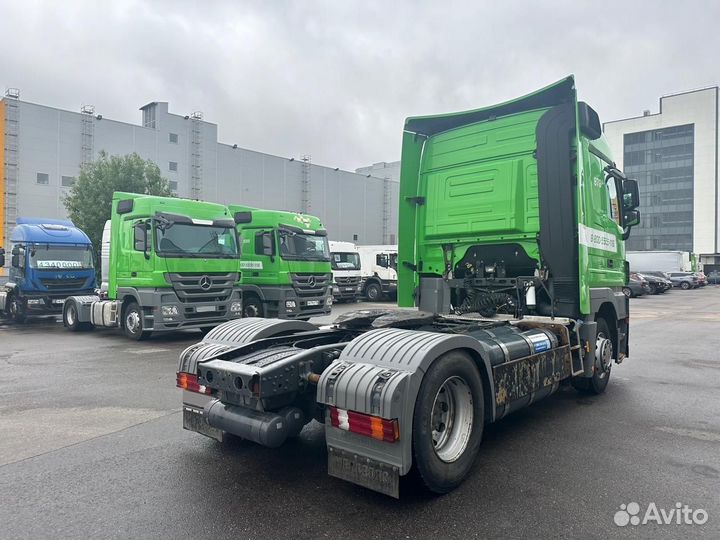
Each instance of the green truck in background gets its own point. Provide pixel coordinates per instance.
(167, 264)
(284, 264)
(512, 224)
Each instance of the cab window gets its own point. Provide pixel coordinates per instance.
(613, 201)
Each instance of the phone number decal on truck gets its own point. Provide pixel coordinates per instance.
(593, 238)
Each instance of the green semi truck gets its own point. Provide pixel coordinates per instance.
(511, 244)
(284, 264)
(167, 264)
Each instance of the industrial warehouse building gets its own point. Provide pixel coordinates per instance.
(673, 154)
(43, 147)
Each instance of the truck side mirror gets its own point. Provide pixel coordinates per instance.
(264, 244)
(2, 257)
(140, 239)
(631, 194)
(630, 219)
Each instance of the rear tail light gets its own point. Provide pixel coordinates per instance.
(364, 424)
(189, 381)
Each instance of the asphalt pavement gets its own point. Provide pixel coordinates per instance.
(91, 446)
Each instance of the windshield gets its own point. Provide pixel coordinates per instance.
(345, 261)
(45, 256)
(303, 247)
(202, 241)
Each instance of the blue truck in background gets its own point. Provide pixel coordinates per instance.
(50, 259)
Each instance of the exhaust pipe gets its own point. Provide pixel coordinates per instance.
(266, 428)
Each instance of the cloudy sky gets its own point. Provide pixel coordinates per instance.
(336, 79)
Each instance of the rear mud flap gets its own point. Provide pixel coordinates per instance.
(364, 471)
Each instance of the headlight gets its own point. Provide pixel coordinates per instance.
(290, 304)
(236, 307)
(34, 301)
(328, 301)
(169, 311)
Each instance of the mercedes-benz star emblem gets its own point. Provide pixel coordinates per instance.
(205, 283)
(311, 281)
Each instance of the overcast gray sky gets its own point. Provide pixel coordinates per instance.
(336, 79)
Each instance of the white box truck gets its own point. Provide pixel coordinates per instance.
(378, 266)
(659, 261)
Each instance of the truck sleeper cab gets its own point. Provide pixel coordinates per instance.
(284, 264)
(346, 274)
(51, 259)
(171, 265)
(512, 227)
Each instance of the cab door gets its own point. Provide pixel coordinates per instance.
(602, 231)
(136, 266)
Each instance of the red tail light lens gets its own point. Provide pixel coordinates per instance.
(364, 424)
(189, 381)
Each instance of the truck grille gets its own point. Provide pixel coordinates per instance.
(347, 281)
(193, 287)
(62, 284)
(310, 284)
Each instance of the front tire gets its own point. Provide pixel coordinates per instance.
(628, 292)
(373, 292)
(133, 322)
(252, 306)
(448, 422)
(16, 311)
(601, 374)
(685, 285)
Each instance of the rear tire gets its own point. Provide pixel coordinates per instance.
(373, 292)
(71, 318)
(685, 285)
(133, 322)
(599, 381)
(448, 422)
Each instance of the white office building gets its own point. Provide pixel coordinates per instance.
(43, 147)
(673, 154)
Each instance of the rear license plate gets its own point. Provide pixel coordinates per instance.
(204, 309)
(58, 301)
(194, 421)
(313, 302)
(364, 472)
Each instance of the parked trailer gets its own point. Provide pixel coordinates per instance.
(659, 261)
(168, 264)
(512, 227)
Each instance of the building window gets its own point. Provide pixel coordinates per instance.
(355, 237)
(43, 178)
(173, 138)
(173, 185)
(67, 181)
(173, 166)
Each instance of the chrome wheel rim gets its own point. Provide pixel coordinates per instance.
(132, 321)
(252, 310)
(451, 419)
(604, 360)
(71, 315)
